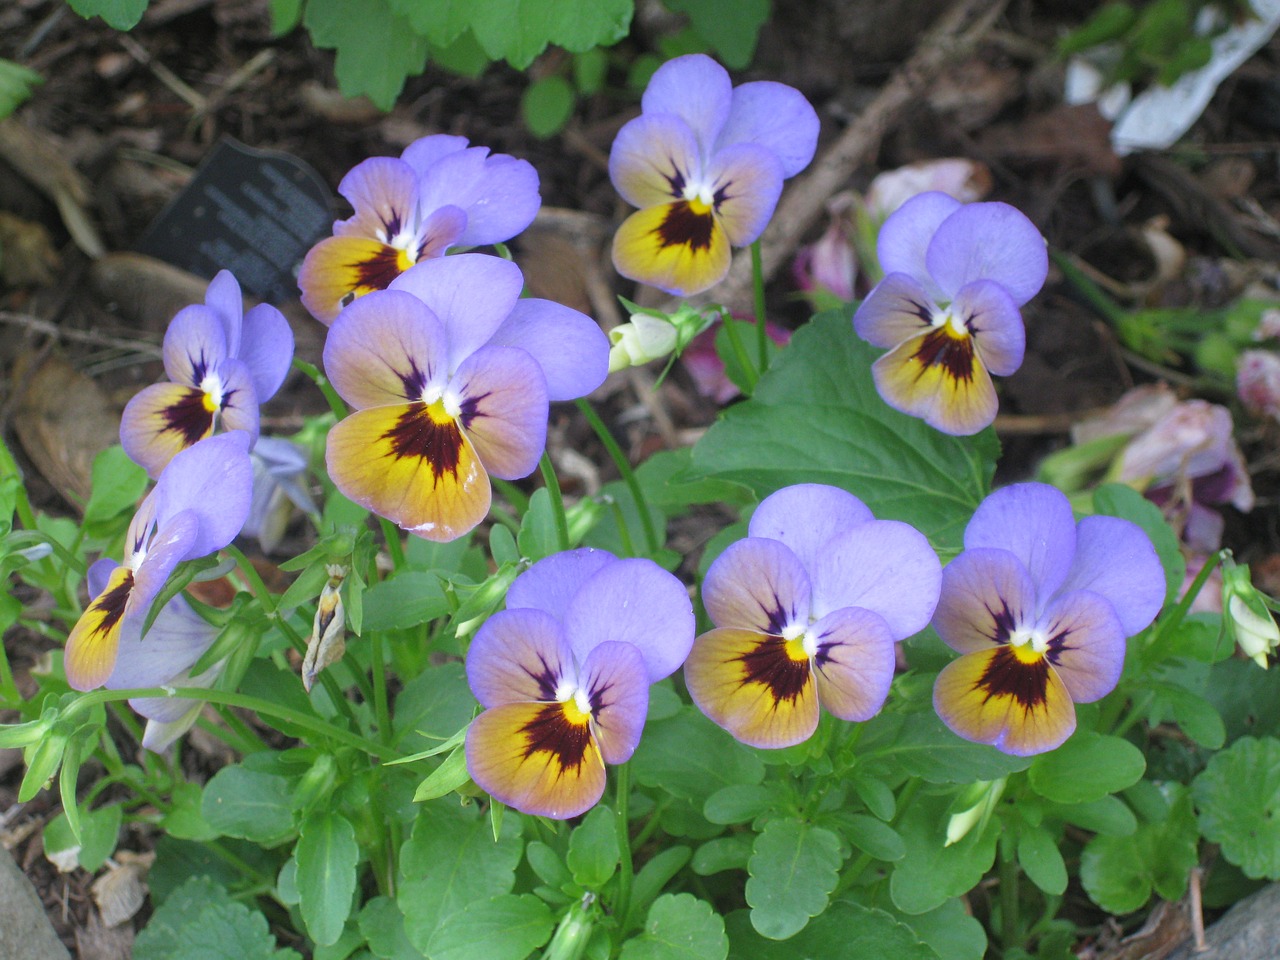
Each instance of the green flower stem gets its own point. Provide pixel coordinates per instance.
(1170, 622)
(336, 403)
(624, 469)
(388, 826)
(624, 534)
(10, 697)
(1087, 288)
(757, 287)
(748, 368)
(1010, 935)
(557, 500)
(622, 906)
(395, 547)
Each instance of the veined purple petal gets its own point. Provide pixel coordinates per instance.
(759, 585)
(223, 297)
(503, 398)
(1033, 521)
(897, 309)
(653, 159)
(1115, 558)
(520, 655)
(177, 639)
(988, 241)
(499, 193)
(551, 583)
(214, 480)
(854, 662)
(805, 516)
(266, 348)
(385, 348)
(746, 181)
(904, 237)
(884, 566)
(694, 88)
(471, 293)
(569, 346)
(986, 595)
(424, 152)
(618, 690)
(636, 602)
(194, 343)
(383, 192)
(168, 718)
(1086, 644)
(995, 324)
(170, 545)
(439, 231)
(238, 409)
(775, 116)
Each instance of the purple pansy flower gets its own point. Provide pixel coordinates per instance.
(439, 193)
(1040, 608)
(807, 610)
(279, 472)
(955, 276)
(222, 363)
(564, 674)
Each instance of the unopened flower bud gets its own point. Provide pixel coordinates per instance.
(1248, 617)
(328, 635)
(983, 797)
(644, 339)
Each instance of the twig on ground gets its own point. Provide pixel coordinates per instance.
(80, 336)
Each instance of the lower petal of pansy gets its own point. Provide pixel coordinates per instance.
(757, 584)
(617, 688)
(937, 376)
(337, 270)
(94, 642)
(760, 688)
(162, 420)
(854, 662)
(678, 247)
(413, 465)
(503, 396)
(1086, 644)
(537, 757)
(1008, 697)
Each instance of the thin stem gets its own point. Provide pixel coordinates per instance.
(757, 284)
(557, 500)
(395, 547)
(1009, 926)
(744, 360)
(1173, 619)
(622, 787)
(624, 469)
(335, 402)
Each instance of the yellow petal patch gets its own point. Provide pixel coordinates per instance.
(537, 757)
(1008, 696)
(678, 246)
(758, 687)
(939, 377)
(412, 464)
(339, 269)
(165, 419)
(94, 641)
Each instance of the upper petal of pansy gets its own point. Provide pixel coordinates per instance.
(987, 594)
(904, 238)
(498, 193)
(1086, 644)
(519, 655)
(613, 678)
(759, 585)
(214, 480)
(775, 116)
(94, 640)
(673, 246)
(569, 346)
(471, 293)
(194, 343)
(266, 348)
(854, 662)
(695, 88)
(424, 152)
(1033, 521)
(338, 270)
(551, 583)
(746, 181)
(884, 566)
(503, 400)
(385, 348)
(653, 159)
(1115, 558)
(636, 602)
(938, 377)
(994, 323)
(897, 309)
(989, 241)
(804, 516)
(383, 191)
(223, 297)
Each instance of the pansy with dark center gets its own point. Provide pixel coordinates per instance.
(564, 675)
(1040, 606)
(807, 610)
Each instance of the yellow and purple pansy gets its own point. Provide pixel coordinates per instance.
(450, 372)
(564, 675)
(1040, 607)
(222, 364)
(948, 307)
(807, 610)
(197, 507)
(438, 194)
(704, 162)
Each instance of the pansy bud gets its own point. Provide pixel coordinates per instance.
(328, 636)
(644, 339)
(982, 797)
(1248, 618)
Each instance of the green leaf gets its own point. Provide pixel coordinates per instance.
(1119, 500)
(248, 804)
(99, 831)
(846, 929)
(1245, 697)
(589, 70)
(874, 837)
(742, 802)
(1087, 767)
(285, 15)
(16, 82)
(1119, 873)
(441, 21)
(118, 484)
(930, 874)
(679, 927)
(1041, 860)
(119, 14)
(949, 929)
(816, 418)
(502, 928)
(793, 870)
(382, 924)
(579, 25)
(200, 921)
(1109, 815)
(538, 537)
(547, 104)
(446, 778)
(432, 707)
(924, 747)
(656, 874)
(723, 853)
(409, 599)
(593, 849)
(691, 758)
(730, 27)
(1238, 797)
(327, 855)
(376, 49)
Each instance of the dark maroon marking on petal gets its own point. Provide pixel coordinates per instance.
(550, 731)
(188, 417)
(939, 348)
(198, 368)
(598, 701)
(778, 618)
(414, 382)
(417, 435)
(675, 179)
(392, 226)
(683, 228)
(767, 663)
(1007, 676)
(923, 311)
(1005, 623)
(546, 679)
(111, 604)
(471, 408)
(377, 272)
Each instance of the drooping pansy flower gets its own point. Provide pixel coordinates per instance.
(197, 507)
(704, 162)
(222, 363)
(807, 610)
(450, 373)
(1040, 608)
(438, 194)
(279, 485)
(564, 675)
(948, 307)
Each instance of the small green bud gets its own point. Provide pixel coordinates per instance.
(1248, 617)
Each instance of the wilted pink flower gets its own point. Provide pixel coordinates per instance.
(966, 180)
(1258, 382)
(830, 264)
(1268, 325)
(707, 369)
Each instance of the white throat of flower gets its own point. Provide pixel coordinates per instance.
(810, 639)
(1036, 639)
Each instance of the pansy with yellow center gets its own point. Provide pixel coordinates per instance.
(564, 675)
(948, 307)
(704, 162)
(450, 373)
(222, 363)
(196, 508)
(439, 193)
(1040, 608)
(807, 610)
